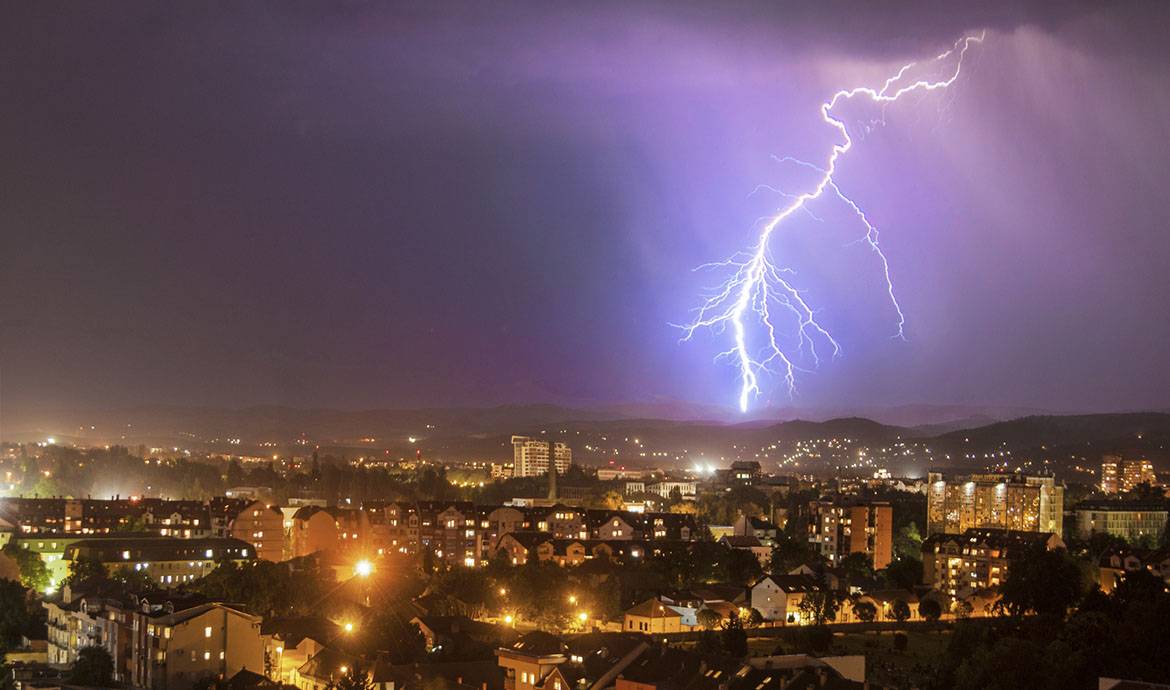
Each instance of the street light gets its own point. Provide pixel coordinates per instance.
(363, 568)
(349, 627)
(572, 598)
(583, 617)
(508, 619)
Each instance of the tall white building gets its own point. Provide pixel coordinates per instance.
(531, 456)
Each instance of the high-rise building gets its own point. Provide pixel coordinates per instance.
(531, 456)
(1003, 501)
(839, 527)
(1111, 474)
(1119, 476)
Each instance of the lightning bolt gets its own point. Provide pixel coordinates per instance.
(757, 284)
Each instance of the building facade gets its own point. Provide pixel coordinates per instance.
(996, 501)
(839, 527)
(262, 526)
(1119, 475)
(979, 558)
(1134, 521)
(531, 456)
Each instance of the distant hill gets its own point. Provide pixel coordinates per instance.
(1051, 430)
(597, 435)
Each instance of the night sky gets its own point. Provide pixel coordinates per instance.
(375, 205)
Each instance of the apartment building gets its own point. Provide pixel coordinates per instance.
(841, 526)
(1134, 521)
(262, 526)
(1027, 503)
(531, 456)
(157, 641)
(1120, 476)
(979, 558)
(166, 560)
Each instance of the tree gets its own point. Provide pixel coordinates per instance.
(904, 573)
(34, 574)
(755, 619)
(94, 668)
(708, 619)
(1041, 581)
(355, 678)
(962, 609)
(84, 569)
(133, 580)
(900, 610)
(734, 638)
(908, 543)
(612, 500)
(14, 613)
(930, 609)
(865, 611)
(820, 606)
(858, 567)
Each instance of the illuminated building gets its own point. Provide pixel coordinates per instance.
(165, 560)
(531, 456)
(1134, 473)
(840, 527)
(1133, 521)
(977, 558)
(262, 527)
(1119, 476)
(652, 616)
(1001, 501)
(1110, 475)
(778, 597)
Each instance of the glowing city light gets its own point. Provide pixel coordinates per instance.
(757, 283)
(363, 568)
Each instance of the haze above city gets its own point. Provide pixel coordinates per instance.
(377, 206)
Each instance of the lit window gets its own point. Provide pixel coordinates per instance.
(207, 631)
(207, 656)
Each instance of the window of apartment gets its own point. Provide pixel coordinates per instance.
(207, 631)
(207, 656)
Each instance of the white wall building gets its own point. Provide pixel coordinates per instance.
(531, 456)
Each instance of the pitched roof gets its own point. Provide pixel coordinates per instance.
(741, 541)
(653, 608)
(538, 643)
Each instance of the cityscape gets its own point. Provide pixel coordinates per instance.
(591, 346)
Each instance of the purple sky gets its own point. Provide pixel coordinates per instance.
(364, 204)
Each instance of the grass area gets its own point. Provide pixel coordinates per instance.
(884, 664)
